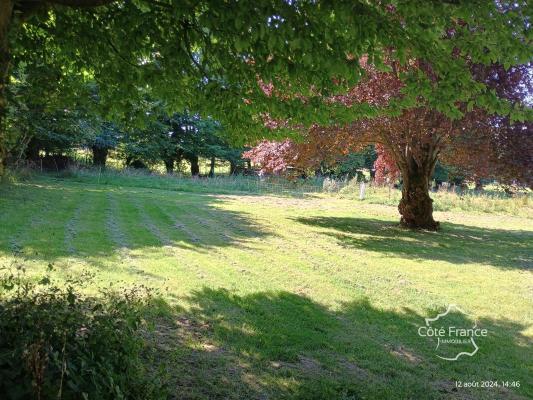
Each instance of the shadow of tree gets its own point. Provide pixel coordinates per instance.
(80, 222)
(282, 345)
(455, 243)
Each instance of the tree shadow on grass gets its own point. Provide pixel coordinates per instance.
(455, 243)
(50, 222)
(282, 345)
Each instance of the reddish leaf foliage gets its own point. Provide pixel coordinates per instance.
(385, 166)
(481, 145)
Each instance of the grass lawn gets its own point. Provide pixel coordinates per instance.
(267, 297)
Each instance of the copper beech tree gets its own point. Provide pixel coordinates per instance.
(412, 141)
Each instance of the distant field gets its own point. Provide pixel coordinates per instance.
(315, 296)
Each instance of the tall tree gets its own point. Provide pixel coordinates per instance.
(208, 52)
(106, 137)
(181, 136)
(207, 55)
(412, 139)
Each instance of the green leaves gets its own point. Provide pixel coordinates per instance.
(208, 55)
(241, 44)
(89, 346)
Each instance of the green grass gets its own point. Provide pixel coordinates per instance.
(289, 297)
(492, 200)
(488, 201)
(178, 182)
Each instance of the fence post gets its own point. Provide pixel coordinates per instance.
(362, 189)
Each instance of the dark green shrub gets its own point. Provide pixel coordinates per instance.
(58, 343)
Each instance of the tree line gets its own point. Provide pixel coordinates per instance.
(49, 138)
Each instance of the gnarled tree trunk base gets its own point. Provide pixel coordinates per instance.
(416, 207)
(417, 217)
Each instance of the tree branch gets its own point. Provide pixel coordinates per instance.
(114, 48)
(188, 50)
(80, 3)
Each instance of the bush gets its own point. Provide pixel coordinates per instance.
(21, 173)
(58, 343)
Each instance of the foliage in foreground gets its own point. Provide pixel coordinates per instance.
(58, 343)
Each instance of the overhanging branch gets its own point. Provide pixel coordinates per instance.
(80, 3)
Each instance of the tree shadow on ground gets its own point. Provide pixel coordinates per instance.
(52, 221)
(454, 243)
(282, 345)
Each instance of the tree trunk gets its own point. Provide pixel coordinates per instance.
(169, 165)
(212, 168)
(232, 167)
(32, 150)
(195, 167)
(100, 156)
(6, 12)
(416, 207)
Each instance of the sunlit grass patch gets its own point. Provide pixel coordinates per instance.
(278, 296)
